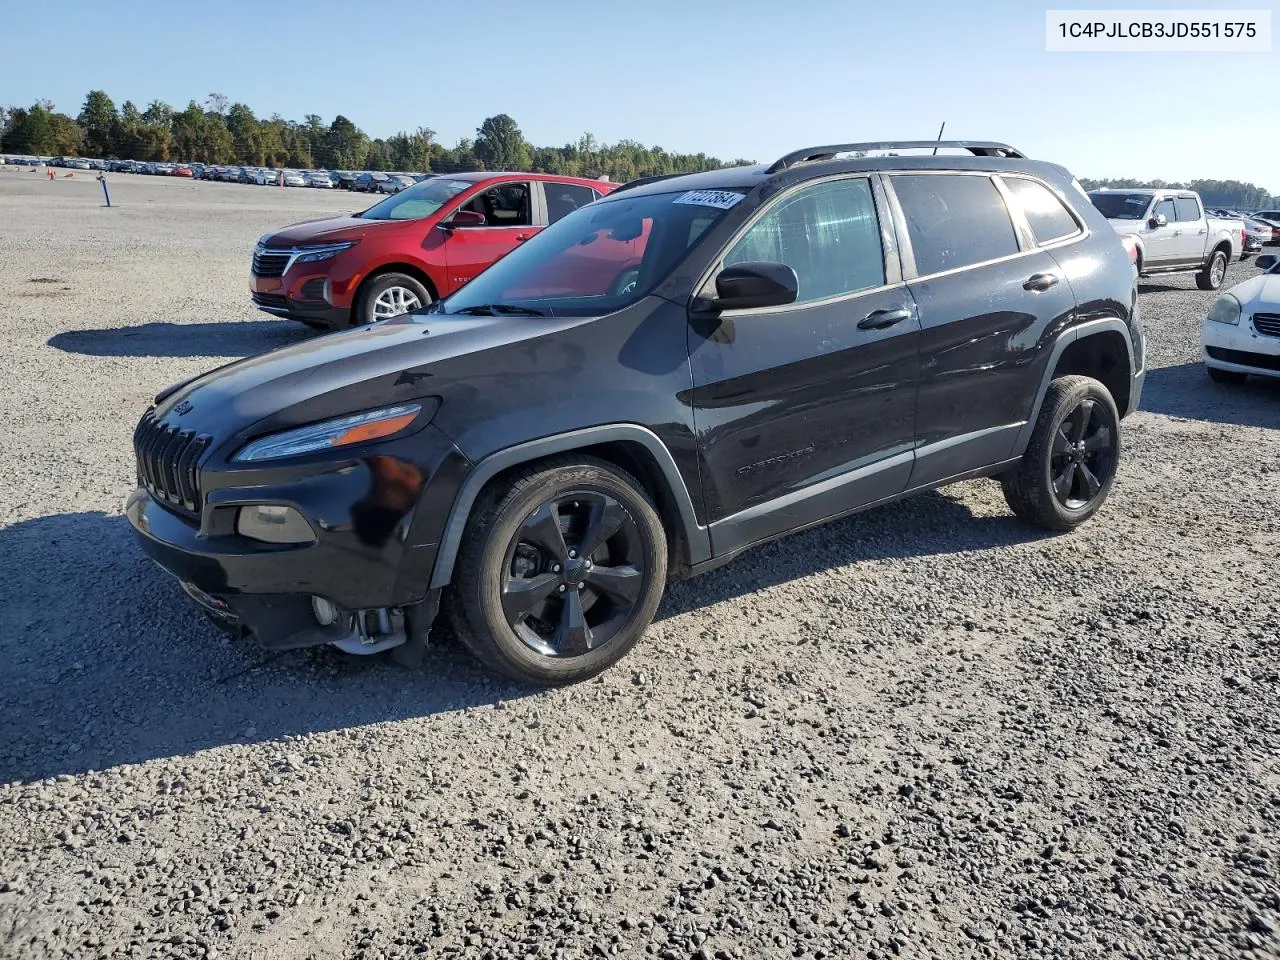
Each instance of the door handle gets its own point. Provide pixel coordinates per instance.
(522, 237)
(880, 319)
(1202, 232)
(1040, 282)
(1177, 233)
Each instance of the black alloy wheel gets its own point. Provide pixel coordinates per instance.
(1083, 456)
(1071, 459)
(560, 570)
(574, 574)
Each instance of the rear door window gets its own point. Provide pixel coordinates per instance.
(954, 220)
(1045, 212)
(564, 198)
(828, 233)
(1188, 209)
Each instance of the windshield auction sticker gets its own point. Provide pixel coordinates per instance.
(1158, 31)
(721, 199)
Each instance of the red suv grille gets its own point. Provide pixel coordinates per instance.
(267, 264)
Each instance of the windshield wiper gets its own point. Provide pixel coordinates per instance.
(501, 309)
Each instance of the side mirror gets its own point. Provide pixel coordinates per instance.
(1159, 220)
(1266, 261)
(758, 284)
(464, 218)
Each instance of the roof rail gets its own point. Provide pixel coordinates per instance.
(979, 148)
(641, 181)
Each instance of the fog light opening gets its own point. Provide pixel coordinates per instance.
(274, 523)
(325, 612)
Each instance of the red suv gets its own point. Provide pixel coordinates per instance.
(410, 249)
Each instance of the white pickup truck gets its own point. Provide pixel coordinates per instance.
(1172, 232)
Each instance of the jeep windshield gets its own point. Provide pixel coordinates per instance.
(1121, 206)
(413, 203)
(598, 259)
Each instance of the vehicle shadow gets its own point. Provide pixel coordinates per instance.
(234, 338)
(1186, 391)
(108, 663)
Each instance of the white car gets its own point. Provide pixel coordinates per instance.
(1241, 334)
(292, 178)
(319, 179)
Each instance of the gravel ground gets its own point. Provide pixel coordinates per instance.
(927, 731)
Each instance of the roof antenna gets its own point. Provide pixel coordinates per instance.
(940, 129)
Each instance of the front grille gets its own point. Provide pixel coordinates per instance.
(267, 264)
(1267, 324)
(277, 300)
(1244, 358)
(167, 460)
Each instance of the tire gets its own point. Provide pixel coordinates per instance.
(379, 299)
(1232, 377)
(1214, 272)
(1030, 487)
(574, 629)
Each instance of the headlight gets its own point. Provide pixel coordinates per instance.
(340, 432)
(274, 523)
(1226, 309)
(324, 253)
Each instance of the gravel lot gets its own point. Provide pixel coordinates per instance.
(927, 731)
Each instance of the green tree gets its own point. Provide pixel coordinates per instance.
(246, 135)
(501, 146)
(98, 121)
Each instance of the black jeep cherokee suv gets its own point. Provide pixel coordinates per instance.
(663, 378)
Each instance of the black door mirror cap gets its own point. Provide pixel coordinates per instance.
(760, 283)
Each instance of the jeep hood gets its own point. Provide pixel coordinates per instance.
(395, 361)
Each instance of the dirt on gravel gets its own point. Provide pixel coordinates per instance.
(926, 731)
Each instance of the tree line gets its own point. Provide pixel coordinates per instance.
(220, 132)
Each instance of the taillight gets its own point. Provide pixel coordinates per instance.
(1130, 244)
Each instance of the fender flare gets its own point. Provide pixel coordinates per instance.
(1068, 337)
(698, 537)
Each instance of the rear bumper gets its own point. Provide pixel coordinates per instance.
(377, 522)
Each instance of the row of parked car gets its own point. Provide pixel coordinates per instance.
(1262, 227)
(360, 181)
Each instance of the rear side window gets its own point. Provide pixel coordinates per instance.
(1188, 208)
(564, 198)
(828, 233)
(954, 221)
(1047, 215)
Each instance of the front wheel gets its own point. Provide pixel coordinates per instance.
(387, 296)
(1070, 464)
(1215, 271)
(559, 572)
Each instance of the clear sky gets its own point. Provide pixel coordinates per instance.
(732, 78)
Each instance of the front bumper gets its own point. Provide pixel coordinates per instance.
(311, 312)
(1239, 348)
(377, 518)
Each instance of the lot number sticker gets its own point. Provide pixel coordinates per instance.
(721, 199)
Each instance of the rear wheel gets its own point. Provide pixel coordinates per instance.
(560, 571)
(387, 296)
(1233, 377)
(1215, 271)
(1070, 464)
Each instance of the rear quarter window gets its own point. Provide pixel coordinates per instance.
(1049, 218)
(954, 220)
